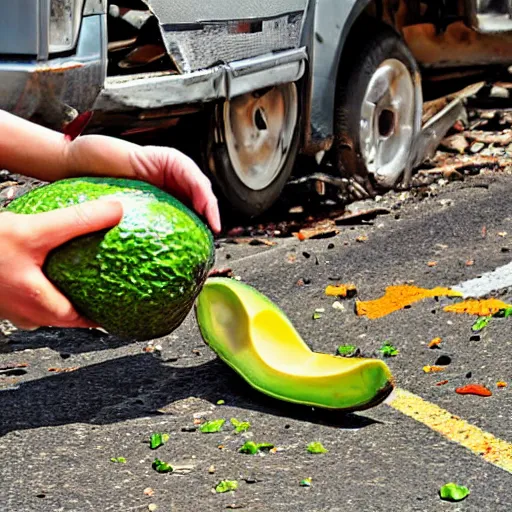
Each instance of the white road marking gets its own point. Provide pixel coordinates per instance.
(488, 282)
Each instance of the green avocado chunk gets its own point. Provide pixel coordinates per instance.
(255, 338)
(139, 279)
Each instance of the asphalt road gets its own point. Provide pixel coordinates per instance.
(59, 430)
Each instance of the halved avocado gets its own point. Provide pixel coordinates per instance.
(253, 336)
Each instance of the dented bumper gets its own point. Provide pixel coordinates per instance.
(224, 81)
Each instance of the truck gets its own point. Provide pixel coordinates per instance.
(255, 84)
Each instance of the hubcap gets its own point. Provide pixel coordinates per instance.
(388, 116)
(259, 133)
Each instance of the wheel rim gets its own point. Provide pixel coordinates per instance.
(388, 117)
(259, 131)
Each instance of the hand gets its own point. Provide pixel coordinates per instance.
(175, 172)
(27, 298)
(99, 155)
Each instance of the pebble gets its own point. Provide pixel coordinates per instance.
(499, 92)
(477, 147)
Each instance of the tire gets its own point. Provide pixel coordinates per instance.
(374, 132)
(252, 146)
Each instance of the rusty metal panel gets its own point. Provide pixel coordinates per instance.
(19, 27)
(457, 46)
(54, 89)
(210, 43)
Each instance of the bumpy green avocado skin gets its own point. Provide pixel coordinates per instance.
(139, 279)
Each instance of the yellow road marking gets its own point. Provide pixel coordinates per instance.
(481, 443)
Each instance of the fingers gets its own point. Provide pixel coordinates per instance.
(177, 173)
(44, 305)
(196, 186)
(53, 228)
(207, 206)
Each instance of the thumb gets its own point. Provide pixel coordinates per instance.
(56, 227)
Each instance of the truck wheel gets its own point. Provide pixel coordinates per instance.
(252, 147)
(378, 110)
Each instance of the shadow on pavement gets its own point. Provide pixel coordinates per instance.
(71, 341)
(137, 386)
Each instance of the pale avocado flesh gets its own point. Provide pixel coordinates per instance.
(255, 338)
(140, 278)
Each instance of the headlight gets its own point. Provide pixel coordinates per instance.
(65, 16)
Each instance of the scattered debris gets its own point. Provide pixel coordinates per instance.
(148, 491)
(318, 313)
(503, 138)
(158, 439)
(348, 351)
(306, 482)
(252, 480)
(324, 229)
(431, 263)
(433, 107)
(388, 350)
(212, 426)
(435, 343)
(250, 447)
(467, 163)
(240, 426)
(456, 142)
(291, 258)
(341, 290)
(316, 447)
(221, 402)
(183, 469)
(501, 384)
(362, 238)
(474, 389)
(338, 305)
(433, 369)
(251, 241)
(226, 485)
(12, 366)
(64, 370)
(480, 323)
(453, 492)
(162, 467)
(221, 272)
(362, 216)
(211, 469)
(118, 460)
(442, 382)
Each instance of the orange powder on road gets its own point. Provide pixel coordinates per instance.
(341, 290)
(398, 297)
(483, 307)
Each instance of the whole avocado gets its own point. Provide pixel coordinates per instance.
(139, 279)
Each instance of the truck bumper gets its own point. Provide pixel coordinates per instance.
(224, 81)
(52, 91)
